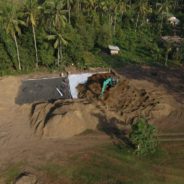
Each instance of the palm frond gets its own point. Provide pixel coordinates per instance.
(51, 37)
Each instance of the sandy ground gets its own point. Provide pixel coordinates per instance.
(19, 143)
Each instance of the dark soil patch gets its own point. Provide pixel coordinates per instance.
(123, 99)
(92, 88)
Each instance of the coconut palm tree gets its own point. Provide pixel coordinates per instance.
(32, 10)
(59, 41)
(163, 10)
(69, 3)
(143, 8)
(55, 12)
(12, 26)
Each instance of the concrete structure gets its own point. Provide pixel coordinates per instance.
(114, 50)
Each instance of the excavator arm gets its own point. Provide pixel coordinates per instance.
(106, 83)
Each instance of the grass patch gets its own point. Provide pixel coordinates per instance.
(111, 165)
(54, 171)
(12, 172)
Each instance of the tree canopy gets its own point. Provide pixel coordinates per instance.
(35, 32)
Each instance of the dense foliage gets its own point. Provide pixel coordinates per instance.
(56, 33)
(143, 136)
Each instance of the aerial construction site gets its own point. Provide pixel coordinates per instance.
(47, 117)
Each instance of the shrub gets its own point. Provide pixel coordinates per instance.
(143, 137)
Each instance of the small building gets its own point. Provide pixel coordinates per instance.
(114, 50)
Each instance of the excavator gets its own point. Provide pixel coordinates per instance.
(109, 82)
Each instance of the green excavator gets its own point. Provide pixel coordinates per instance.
(109, 82)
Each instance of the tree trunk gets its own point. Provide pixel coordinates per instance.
(166, 58)
(110, 23)
(69, 11)
(109, 20)
(137, 21)
(61, 53)
(35, 45)
(18, 55)
(161, 25)
(78, 6)
(58, 60)
(114, 25)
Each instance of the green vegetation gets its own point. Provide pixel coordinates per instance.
(12, 172)
(143, 136)
(53, 34)
(112, 165)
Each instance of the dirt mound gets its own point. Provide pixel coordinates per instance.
(130, 102)
(124, 99)
(63, 119)
(92, 88)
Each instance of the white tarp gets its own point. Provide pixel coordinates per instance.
(75, 80)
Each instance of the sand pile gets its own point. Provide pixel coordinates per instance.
(63, 119)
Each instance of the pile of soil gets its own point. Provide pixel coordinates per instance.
(124, 99)
(92, 88)
(130, 103)
(63, 119)
(122, 105)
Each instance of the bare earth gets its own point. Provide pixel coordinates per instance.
(28, 138)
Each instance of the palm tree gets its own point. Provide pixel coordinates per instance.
(32, 10)
(163, 10)
(55, 11)
(89, 5)
(12, 26)
(55, 14)
(143, 8)
(117, 8)
(59, 41)
(69, 2)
